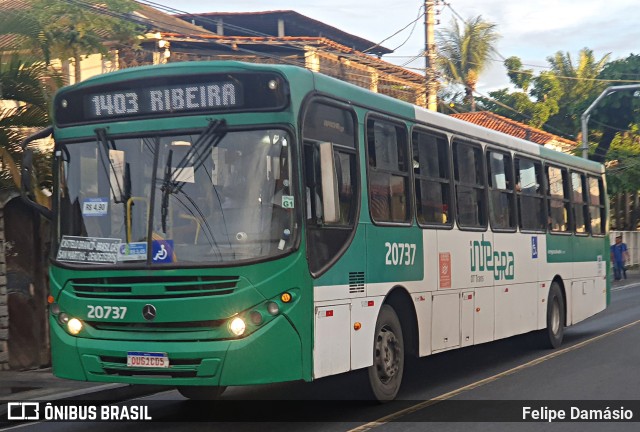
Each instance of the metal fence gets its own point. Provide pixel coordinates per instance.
(632, 239)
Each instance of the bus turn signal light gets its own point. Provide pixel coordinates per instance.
(357, 326)
(285, 297)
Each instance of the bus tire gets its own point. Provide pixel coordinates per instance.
(202, 392)
(385, 375)
(555, 317)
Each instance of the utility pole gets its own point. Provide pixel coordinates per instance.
(430, 55)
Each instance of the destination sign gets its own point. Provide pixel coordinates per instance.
(165, 96)
(169, 99)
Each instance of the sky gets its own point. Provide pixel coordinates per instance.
(531, 30)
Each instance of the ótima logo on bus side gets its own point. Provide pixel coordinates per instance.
(484, 258)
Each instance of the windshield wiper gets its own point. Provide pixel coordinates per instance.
(211, 137)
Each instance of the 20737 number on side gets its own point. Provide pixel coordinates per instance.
(399, 254)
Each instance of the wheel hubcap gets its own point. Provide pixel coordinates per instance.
(387, 355)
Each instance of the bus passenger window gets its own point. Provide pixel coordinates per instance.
(530, 198)
(501, 210)
(388, 172)
(432, 178)
(469, 177)
(596, 206)
(558, 199)
(579, 200)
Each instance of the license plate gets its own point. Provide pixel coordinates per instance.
(147, 359)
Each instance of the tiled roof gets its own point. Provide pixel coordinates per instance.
(511, 127)
(295, 24)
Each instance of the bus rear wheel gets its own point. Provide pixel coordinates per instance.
(554, 332)
(202, 392)
(385, 375)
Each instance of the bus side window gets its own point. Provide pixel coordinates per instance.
(501, 209)
(470, 185)
(596, 205)
(432, 178)
(559, 199)
(529, 190)
(388, 171)
(579, 200)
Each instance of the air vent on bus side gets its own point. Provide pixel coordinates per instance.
(356, 282)
(154, 287)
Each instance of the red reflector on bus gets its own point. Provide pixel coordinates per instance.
(370, 303)
(470, 297)
(329, 313)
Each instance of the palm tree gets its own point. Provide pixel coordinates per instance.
(24, 102)
(69, 31)
(464, 52)
(579, 85)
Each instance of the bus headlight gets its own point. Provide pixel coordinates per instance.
(74, 326)
(237, 326)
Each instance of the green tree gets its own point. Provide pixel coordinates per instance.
(619, 111)
(530, 106)
(554, 99)
(464, 52)
(72, 29)
(24, 106)
(579, 86)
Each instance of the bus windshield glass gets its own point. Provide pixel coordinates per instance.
(207, 198)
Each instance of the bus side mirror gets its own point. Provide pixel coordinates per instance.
(330, 203)
(25, 172)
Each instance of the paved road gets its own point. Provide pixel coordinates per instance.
(598, 361)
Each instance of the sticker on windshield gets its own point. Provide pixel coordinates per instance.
(95, 207)
(287, 201)
(90, 250)
(132, 251)
(162, 251)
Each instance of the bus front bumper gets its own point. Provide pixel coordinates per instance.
(272, 354)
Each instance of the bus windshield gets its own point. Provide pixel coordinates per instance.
(204, 198)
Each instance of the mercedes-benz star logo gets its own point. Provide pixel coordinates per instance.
(149, 312)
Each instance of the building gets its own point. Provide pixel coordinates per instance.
(286, 36)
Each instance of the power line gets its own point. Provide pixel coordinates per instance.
(414, 22)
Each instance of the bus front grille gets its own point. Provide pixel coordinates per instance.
(154, 287)
(156, 326)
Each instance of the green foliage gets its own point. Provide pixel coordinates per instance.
(70, 30)
(620, 110)
(25, 106)
(554, 99)
(464, 52)
(578, 85)
(521, 78)
(623, 173)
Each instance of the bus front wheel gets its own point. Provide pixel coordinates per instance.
(555, 317)
(202, 392)
(385, 375)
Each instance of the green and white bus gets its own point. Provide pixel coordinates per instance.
(220, 224)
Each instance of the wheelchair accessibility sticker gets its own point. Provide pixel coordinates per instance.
(162, 251)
